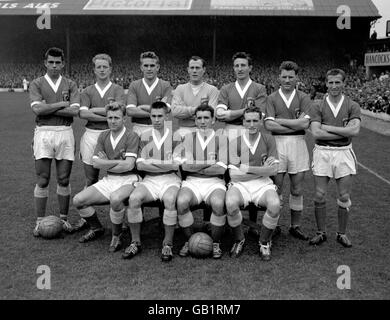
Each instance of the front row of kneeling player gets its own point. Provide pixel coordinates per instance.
(203, 157)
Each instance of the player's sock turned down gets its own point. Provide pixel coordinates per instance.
(343, 214)
(169, 220)
(134, 216)
(40, 200)
(116, 221)
(234, 222)
(89, 214)
(269, 223)
(320, 213)
(296, 208)
(63, 195)
(186, 221)
(217, 226)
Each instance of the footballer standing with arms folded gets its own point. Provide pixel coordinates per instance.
(55, 100)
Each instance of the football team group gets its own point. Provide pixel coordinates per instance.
(232, 148)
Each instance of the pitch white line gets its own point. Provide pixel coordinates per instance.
(374, 173)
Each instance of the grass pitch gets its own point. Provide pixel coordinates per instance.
(89, 271)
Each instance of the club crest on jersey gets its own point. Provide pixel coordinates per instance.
(65, 95)
(212, 156)
(264, 158)
(122, 153)
(345, 122)
(297, 113)
(168, 156)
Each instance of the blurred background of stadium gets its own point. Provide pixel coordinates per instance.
(305, 31)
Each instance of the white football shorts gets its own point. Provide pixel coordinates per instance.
(293, 154)
(88, 144)
(203, 187)
(253, 190)
(158, 185)
(54, 142)
(333, 162)
(110, 183)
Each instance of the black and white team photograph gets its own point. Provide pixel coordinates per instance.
(194, 157)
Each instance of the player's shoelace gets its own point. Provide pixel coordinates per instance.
(115, 241)
(216, 248)
(167, 251)
(132, 248)
(66, 225)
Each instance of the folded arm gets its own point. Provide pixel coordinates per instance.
(351, 130)
(320, 134)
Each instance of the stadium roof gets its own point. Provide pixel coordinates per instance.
(301, 8)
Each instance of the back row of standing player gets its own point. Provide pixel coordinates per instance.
(288, 113)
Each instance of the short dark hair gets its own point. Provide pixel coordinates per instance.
(243, 55)
(116, 107)
(335, 72)
(289, 65)
(160, 105)
(150, 55)
(196, 58)
(253, 109)
(102, 56)
(55, 52)
(204, 107)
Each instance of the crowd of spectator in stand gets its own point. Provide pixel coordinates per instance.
(372, 94)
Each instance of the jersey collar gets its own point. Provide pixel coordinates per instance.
(253, 147)
(162, 140)
(114, 142)
(287, 101)
(151, 88)
(53, 85)
(103, 91)
(335, 109)
(242, 92)
(204, 143)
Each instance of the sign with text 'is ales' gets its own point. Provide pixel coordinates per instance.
(25, 4)
(377, 59)
(138, 5)
(262, 5)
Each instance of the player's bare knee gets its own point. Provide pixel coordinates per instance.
(169, 201)
(273, 205)
(232, 207)
(296, 191)
(218, 207)
(182, 204)
(273, 212)
(319, 196)
(115, 201)
(135, 200)
(43, 181)
(78, 201)
(63, 181)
